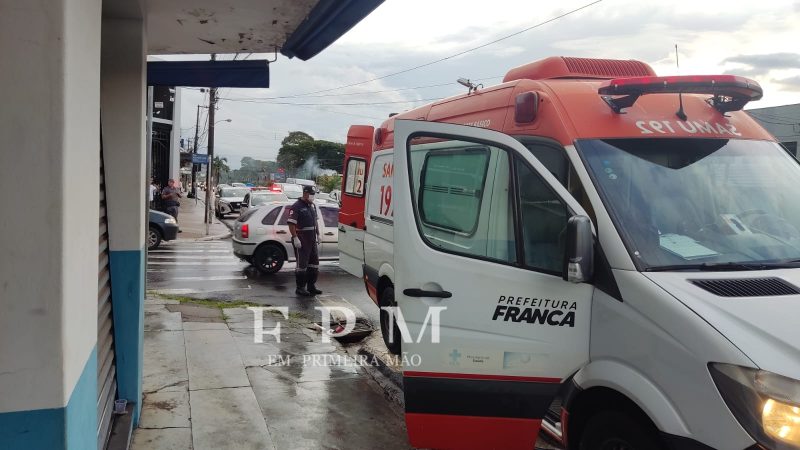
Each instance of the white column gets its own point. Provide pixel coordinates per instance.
(49, 178)
(123, 112)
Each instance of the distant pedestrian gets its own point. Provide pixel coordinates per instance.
(171, 196)
(153, 190)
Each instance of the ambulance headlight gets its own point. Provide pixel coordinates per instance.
(767, 405)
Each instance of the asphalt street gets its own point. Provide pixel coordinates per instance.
(209, 270)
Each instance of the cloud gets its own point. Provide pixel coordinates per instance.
(762, 64)
(793, 83)
(712, 37)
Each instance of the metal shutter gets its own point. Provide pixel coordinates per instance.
(106, 370)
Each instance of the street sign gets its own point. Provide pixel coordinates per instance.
(199, 158)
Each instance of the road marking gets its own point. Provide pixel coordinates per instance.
(193, 263)
(190, 251)
(194, 257)
(211, 278)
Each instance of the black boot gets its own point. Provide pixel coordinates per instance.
(300, 277)
(312, 281)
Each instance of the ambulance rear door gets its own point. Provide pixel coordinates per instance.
(358, 151)
(479, 245)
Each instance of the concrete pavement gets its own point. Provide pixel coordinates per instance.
(208, 385)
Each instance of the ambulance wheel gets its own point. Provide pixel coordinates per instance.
(387, 299)
(268, 259)
(617, 430)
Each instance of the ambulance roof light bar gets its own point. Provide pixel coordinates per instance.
(729, 92)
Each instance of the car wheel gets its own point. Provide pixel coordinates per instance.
(153, 238)
(268, 258)
(616, 430)
(391, 337)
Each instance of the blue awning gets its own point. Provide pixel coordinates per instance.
(239, 74)
(326, 23)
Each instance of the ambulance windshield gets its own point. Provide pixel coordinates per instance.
(699, 203)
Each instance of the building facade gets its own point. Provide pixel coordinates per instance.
(783, 122)
(72, 236)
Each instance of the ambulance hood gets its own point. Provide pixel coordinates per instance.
(766, 328)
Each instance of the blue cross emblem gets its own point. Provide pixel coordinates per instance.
(455, 355)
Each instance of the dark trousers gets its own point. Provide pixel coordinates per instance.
(308, 255)
(173, 211)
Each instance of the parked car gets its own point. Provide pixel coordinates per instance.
(336, 195)
(229, 201)
(220, 187)
(261, 235)
(258, 197)
(162, 227)
(293, 191)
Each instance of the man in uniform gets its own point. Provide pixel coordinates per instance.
(303, 227)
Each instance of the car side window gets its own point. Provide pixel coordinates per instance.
(285, 216)
(463, 204)
(246, 200)
(269, 219)
(544, 221)
(330, 216)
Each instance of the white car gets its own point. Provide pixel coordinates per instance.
(293, 191)
(229, 200)
(257, 197)
(261, 235)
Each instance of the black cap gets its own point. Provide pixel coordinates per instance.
(308, 188)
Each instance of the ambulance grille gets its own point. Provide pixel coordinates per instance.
(748, 287)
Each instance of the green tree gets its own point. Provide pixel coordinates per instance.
(329, 182)
(220, 167)
(305, 157)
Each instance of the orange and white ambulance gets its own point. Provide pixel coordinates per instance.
(614, 258)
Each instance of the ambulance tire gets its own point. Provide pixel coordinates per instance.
(387, 299)
(617, 430)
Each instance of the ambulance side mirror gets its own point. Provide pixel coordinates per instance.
(579, 257)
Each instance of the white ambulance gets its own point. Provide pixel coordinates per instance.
(618, 255)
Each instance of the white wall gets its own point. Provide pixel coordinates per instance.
(123, 106)
(49, 164)
(175, 148)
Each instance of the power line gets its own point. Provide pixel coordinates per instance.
(362, 93)
(334, 104)
(552, 19)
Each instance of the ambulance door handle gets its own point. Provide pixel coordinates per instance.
(422, 293)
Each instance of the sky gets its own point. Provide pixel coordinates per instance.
(757, 39)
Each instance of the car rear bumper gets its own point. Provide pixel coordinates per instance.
(243, 249)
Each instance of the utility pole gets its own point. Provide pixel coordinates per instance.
(194, 152)
(212, 105)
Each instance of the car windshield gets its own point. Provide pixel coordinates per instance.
(699, 203)
(260, 199)
(234, 192)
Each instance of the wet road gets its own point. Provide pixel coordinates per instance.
(209, 270)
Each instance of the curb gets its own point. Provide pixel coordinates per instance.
(389, 381)
(394, 376)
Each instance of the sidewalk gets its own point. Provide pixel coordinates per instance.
(209, 386)
(190, 219)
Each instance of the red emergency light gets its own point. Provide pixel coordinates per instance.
(729, 92)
